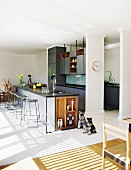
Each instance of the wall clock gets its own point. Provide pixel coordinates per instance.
(96, 66)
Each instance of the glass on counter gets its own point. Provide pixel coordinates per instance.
(45, 90)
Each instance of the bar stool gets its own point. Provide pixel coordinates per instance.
(1, 97)
(9, 101)
(27, 110)
(17, 105)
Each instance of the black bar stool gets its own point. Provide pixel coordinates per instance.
(9, 101)
(17, 106)
(27, 110)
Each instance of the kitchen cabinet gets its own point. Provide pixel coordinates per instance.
(111, 97)
(53, 68)
(53, 58)
(66, 112)
(54, 63)
(52, 50)
(62, 66)
(84, 69)
(75, 63)
(67, 66)
(54, 107)
(80, 64)
(64, 63)
(81, 92)
(60, 88)
(65, 89)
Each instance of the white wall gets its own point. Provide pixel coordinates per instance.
(12, 65)
(41, 68)
(125, 75)
(112, 63)
(94, 80)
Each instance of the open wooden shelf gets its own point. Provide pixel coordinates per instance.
(68, 127)
(64, 54)
(73, 64)
(65, 113)
(80, 52)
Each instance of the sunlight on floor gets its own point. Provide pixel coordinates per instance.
(20, 142)
(11, 150)
(63, 146)
(82, 158)
(4, 125)
(26, 164)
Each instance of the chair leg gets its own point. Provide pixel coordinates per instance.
(36, 114)
(23, 110)
(103, 161)
(127, 165)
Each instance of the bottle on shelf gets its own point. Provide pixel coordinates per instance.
(72, 104)
(60, 123)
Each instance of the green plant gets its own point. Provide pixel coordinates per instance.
(110, 77)
(20, 78)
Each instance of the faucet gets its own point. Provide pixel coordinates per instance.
(53, 84)
(114, 81)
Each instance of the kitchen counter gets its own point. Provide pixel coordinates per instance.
(47, 105)
(73, 86)
(107, 84)
(50, 94)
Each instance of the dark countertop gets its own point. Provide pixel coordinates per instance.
(113, 85)
(56, 94)
(73, 86)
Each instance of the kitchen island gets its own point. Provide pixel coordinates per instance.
(59, 110)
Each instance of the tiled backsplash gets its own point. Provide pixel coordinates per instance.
(76, 79)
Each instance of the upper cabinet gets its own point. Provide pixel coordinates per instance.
(73, 62)
(73, 65)
(53, 64)
(80, 64)
(64, 63)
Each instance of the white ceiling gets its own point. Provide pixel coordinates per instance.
(29, 26)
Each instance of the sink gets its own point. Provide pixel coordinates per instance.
(56, 92)
(60, 92)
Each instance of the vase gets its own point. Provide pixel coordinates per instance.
(20, 83)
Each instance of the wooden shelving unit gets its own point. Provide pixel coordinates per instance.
(73, 64)
(66, 112)
(64, 55)
(80, 51)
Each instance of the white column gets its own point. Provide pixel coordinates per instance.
(94, 80)
(125, 75)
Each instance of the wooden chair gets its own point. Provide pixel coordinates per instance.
(120, 153)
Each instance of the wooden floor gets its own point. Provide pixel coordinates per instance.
(83, 158)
